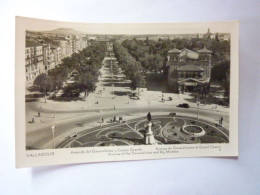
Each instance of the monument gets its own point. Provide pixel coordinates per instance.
(149, 138)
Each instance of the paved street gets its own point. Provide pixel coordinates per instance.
(111, 98)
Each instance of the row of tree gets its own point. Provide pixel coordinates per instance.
(131, 67)
(220, 74)
(150, 61)
(152, 54)
(86, 64)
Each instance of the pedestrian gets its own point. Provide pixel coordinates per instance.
(39, 114)
(33, 120)
(102, 120)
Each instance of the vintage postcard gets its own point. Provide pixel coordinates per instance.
(92, 92)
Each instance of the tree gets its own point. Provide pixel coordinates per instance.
(137, 81)
(43, 84)
(86, 82)
(221, 74)
(226, 86)
(158, 63)
(58, 76)
(220, 71)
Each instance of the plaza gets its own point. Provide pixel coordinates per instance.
(93, 120)
(166, 130)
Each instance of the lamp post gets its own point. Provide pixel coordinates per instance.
(198, 103)
(100, 111)
(53, 110)
(113, 89)
(53, 132)
(149, 103)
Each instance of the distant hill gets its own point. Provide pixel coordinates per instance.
(62, 31)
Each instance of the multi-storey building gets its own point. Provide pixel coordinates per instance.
(83, 44)
(56, 52)
(75, 45)
(188, 70)
(69, 48)
(39, 58)
(33, 60)
(63, 45)
(46, 57)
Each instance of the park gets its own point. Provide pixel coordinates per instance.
(100, 96)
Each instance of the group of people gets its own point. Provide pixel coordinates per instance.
(39, 115)
(114, 119)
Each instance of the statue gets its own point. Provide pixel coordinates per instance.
(149, 137)
(149, 116)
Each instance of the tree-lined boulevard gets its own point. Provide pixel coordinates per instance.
(104, 89)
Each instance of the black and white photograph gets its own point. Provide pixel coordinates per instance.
(103, 85)
(140, 97)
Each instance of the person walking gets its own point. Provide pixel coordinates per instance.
(221, 121)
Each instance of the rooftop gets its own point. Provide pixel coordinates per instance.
(174, 51)
(190, 68)
(204, 50)
(30, 43)
(189, 54)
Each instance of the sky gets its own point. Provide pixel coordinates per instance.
(127, 28)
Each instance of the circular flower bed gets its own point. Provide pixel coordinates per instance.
(193, 130)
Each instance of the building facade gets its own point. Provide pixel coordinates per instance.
(40, 57)
(189, 70)
(63, 46)
(33, 60)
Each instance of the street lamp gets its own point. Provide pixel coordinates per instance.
(198, 103)
(113, 89)
(99, 109)
(149, 103)
(53, 110)
(53, 132)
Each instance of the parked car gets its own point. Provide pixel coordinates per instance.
(184, 105)
(81, 124)
(172, 114)
(75, 134)
(135, 98)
